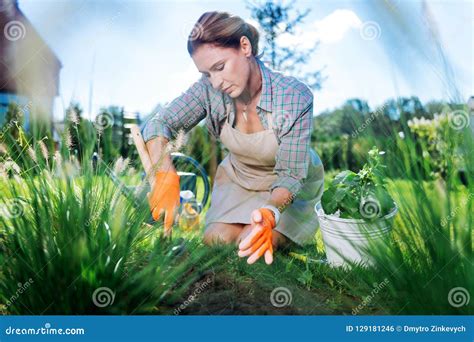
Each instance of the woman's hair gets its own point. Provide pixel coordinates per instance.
(221, 29)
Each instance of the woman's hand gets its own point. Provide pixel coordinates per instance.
(164, 197)
(259, 240)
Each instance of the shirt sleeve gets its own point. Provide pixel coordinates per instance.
(183, 113)
(293, 156)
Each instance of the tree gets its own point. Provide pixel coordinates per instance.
(276, 19)
(360, 106)
(434, 107)
(109, 140)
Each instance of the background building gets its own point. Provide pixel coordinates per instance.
(29, 69)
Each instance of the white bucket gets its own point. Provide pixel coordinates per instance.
(347, 239)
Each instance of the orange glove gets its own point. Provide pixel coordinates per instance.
(259, 241)
(164, 197)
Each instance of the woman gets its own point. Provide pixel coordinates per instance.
(266, 188)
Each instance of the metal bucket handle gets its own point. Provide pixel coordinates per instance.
(175, 156)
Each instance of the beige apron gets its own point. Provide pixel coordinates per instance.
(243, 180)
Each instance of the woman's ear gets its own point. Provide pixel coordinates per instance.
(246, 46)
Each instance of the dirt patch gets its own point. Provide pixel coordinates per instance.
(227, 294)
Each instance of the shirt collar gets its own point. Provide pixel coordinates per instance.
(265, 102)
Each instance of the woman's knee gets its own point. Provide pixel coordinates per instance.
(280, 240)
(223, 233)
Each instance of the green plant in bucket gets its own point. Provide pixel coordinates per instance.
(359, 195)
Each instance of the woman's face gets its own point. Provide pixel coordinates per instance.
(228, 69)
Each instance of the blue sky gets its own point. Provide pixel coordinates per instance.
(134, 52)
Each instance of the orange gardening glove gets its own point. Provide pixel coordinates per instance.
(259, 241)
(164, 197)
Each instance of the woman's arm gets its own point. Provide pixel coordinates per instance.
(292, 164)
(281, 198)
(182, 114)
(160, 159)
(293, 156)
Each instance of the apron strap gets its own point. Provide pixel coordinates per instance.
(269, 120)
(228, 110)
(269, 116)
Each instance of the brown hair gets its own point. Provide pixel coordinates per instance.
(222, 29)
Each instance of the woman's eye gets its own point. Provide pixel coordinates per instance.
(220, 67)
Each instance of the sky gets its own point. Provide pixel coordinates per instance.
(133, 53)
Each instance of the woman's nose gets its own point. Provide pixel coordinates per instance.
(216, 82)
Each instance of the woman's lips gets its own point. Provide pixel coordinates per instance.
(227, 89)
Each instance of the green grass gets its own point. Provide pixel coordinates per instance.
(236, 288)
(75, 233)
(67, 233)
(425, 268)
(392, 287)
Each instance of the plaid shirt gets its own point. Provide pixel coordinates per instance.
(289, 100)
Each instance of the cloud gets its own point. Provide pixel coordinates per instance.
(329, 30)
